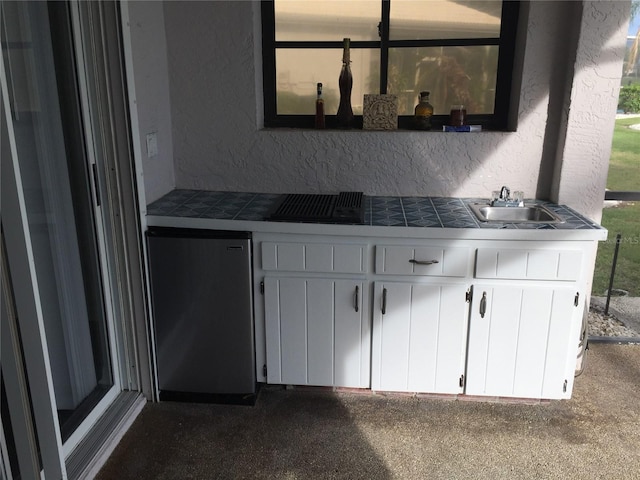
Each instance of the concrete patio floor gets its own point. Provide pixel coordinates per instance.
(301, 434)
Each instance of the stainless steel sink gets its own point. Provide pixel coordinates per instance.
(525, 214)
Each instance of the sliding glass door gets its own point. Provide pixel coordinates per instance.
(62, 208)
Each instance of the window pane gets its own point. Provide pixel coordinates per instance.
(299, 70)
(453, 75)
(442, 19)
(59, 214)
(327, 20)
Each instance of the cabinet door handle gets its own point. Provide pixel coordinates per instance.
(423, 262)
(384, 301)
(357, 298)
(483, 304)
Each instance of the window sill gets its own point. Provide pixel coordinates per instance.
(360, 130)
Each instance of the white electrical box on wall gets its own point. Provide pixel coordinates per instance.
(152, 144)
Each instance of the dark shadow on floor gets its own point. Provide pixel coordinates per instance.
(311, 434)
(287, 434)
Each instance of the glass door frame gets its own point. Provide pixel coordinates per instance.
(96, 30)
(27, 302)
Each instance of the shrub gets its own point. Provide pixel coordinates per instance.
(629, 99)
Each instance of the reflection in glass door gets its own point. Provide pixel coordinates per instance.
(60, 207)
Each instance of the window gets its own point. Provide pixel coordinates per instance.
(461, 51)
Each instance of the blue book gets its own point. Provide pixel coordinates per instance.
(462, 128)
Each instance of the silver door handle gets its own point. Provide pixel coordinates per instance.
(483, 304)
(357, 299)
(384, 301)
(423, 262)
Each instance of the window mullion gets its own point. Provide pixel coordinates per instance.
(384, 45)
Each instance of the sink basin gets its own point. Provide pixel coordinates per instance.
(525, 214)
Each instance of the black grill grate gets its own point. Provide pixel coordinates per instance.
(302, 207)
(306, 206)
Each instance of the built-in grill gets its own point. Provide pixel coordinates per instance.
(346, 207)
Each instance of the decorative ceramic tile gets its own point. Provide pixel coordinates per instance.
(436, 212)
(162, 207)
(220, 213)
(184, 211)
(423, 222)
(387, 211)
(497, 226)
(259, 207)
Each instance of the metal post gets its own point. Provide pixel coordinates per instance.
(613, 272)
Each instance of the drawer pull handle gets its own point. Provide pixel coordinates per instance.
(423, 262)
(483, 304)
(357, 299)
(384, 301)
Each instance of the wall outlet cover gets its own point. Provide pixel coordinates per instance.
(152, 144)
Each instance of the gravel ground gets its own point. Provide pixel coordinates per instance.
(601, 325)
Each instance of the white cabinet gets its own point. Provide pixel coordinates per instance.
(529, 264)
(422, 260)
(317, 332)
(523, 335)
(463, 316)
(521, 339)
(419, 337)
(420, 319)
(317, 327)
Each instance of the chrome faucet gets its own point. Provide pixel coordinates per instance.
(503, 198)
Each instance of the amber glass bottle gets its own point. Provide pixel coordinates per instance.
(345, 82)
(423, 112)
(319, 108)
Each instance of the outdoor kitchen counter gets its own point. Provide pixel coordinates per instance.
(325, 289)
(410, 217)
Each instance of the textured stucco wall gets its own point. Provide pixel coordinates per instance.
(151, 77)
(583, 155)
(218, 142)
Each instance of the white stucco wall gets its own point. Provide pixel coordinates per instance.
(218, 142)
(152, 97)
(582, 163)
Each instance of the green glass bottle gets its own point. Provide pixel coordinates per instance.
(423, 112)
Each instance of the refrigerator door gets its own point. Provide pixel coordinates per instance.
(203, 310)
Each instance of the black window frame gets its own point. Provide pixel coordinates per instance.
(506, 43)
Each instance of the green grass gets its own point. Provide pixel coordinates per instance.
(624, 219)
(624, 174)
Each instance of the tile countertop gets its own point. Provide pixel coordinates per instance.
(206, 209)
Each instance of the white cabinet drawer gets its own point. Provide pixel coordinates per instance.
(432, 260)
(524, 264)
(314, 257)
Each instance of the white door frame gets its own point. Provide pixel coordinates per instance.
(27, 299)
(100, 65)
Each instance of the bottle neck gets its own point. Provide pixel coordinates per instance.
(346, 54)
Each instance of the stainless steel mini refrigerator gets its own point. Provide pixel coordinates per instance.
(203, 314)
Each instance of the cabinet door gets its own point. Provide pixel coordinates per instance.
(419, 337)
(317, 332)
(523, 341)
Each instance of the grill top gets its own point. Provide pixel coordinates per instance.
(347, 207)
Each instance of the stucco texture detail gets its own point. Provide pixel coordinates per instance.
(151, 96)
(583, 166)
(219, 145)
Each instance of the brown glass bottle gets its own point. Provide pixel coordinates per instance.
(345, 82)
(319, 108)
(423, 112)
